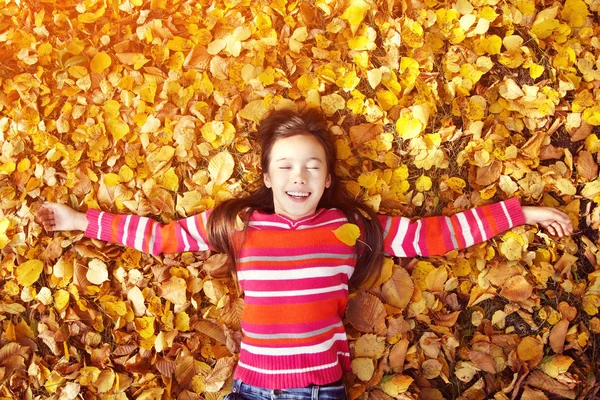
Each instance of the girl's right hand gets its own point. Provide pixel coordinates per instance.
(58, 217)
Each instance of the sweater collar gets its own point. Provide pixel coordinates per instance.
(293, 224)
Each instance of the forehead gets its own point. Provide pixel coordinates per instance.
(298, 146)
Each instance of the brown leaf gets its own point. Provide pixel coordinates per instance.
(362, 133)
(174, 290)
(586, 165)
(558, 336)
(550, 152)
(398, 290)
(483, 361)
(370, 346)
(223, 369)
(185, 369)
(125, 350)
(488, 174)
(209, 329)
(516, 288)
(540, 380)
(530, 348)
(165, 366)
(217, 265)
(582, 132)
(398, 355)
(532, 394)
(366, 313)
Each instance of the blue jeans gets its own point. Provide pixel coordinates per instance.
(241, 391)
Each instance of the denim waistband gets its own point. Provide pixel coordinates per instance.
(314, 392)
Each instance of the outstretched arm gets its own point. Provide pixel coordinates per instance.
(141, 233)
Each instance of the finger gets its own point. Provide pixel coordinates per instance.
(558, 228)
(551, 230)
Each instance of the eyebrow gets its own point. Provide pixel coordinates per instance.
(310, 159)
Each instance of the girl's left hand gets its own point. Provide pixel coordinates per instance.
(556, 222)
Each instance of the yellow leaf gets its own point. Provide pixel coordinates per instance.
(144, 326)
(332, 103)
(423, 183)
(398, 384)
(347, 234)
(97, 272)
(117, 128)
(220, 167)
(170, 180)
(408, 128)
(29, 272)
(182, 322)
(100, 62)
(61, 299)
(367, 180)
(111, 179)
(355, 13)
(565, 186)
(575, 12)
(535, 71)
(387, 99)
(8, 168)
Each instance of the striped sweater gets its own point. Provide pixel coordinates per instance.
(295, 278)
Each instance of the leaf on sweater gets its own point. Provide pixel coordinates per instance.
(347, 234)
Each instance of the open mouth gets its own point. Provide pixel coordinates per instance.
(298, 195)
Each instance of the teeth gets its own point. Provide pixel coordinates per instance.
(298, 194)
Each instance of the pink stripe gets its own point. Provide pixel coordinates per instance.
(475, 232)
(133, 225)
(409, 238)
(336, 295)
(308, 283)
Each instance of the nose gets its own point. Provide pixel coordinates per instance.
(299, 177)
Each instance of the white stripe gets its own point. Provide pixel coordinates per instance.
(152, 238)
(506, 214)
(293, 351)
(465, 229)
(280, 275)
(139, 234)
(399, 238)
(186, 244)
(290, 293)
(125, 233)
(292, 371)
(100, 224)
(267, 223)
(335, 221)
(417, 237)
(480, 225)
(195, 234)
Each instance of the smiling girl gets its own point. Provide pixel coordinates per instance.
(294, 271)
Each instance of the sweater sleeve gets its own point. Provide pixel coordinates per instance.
(438, 235)
(148, 235)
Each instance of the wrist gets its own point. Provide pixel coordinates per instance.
(81, 222)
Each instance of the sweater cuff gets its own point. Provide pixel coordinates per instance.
(513, 206)
(93, 219)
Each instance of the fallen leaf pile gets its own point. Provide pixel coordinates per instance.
(151, 108)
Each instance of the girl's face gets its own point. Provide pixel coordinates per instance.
(297, 175)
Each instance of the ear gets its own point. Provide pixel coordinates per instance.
(267, 180)
(328, 181)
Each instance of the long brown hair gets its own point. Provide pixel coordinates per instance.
(279, 125)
